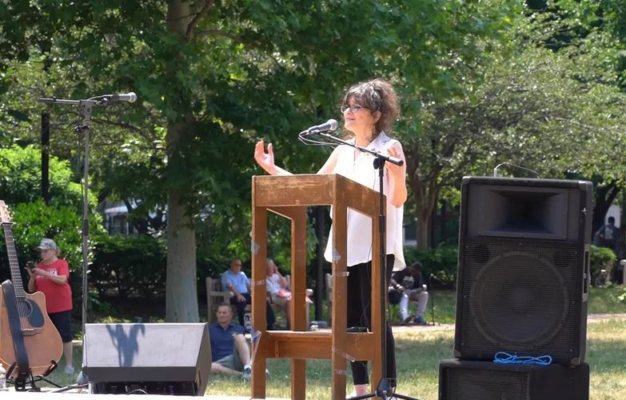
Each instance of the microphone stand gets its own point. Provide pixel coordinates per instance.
(85, 108)
(384, 389)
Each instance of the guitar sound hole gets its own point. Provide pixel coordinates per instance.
(24, 308)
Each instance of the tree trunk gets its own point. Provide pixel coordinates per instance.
(181, 297)
(181, 292)
(422, 231)
(425, 194)
(604, 197)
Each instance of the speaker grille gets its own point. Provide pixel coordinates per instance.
(480, 380)
(517, 297)
(480, 384)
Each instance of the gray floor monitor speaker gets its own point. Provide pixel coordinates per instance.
(159, 358)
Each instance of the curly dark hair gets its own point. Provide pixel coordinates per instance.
(376, 95)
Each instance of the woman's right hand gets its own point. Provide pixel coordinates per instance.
(265, 160)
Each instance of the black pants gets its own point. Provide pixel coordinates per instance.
(241, 310)
(360, 312)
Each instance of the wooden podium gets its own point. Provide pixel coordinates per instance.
(289, 196)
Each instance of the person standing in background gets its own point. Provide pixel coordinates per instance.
(51, 277)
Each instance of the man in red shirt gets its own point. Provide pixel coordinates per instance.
(51, 277)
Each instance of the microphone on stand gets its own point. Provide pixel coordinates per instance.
(129, 97)
(103, 100)
(327, 126)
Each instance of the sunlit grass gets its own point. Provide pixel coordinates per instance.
(606, 300)
(418, 354)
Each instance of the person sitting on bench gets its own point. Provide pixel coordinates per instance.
(237, 282)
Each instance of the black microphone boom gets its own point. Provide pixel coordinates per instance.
(327, 126)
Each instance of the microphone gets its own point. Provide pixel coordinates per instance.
(129, 97)
(329, 125)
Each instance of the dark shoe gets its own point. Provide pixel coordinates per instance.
(407, 321)
(420, 321)
(247, 373)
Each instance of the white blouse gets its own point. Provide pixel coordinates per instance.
(272, 284)
(359, 167)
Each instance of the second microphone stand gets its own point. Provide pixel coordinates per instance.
(85, 108)
(384, 389)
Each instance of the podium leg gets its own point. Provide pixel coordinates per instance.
(259, 317)
(298, 379)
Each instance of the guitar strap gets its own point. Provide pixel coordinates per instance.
(16, 331)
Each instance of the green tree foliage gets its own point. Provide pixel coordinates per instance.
(439, 265)
(213, 77)
(557, 113)
(602, 259)
(20, 182)
(61, 219)
(35, 220)
(129, 266)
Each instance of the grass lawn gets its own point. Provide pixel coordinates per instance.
(418, 355)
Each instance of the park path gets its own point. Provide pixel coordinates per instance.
(591, 318)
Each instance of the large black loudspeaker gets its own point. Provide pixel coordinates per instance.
(462, 380)
(171, 359)
(523, 272)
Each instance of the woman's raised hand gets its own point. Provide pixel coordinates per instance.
(265, 160)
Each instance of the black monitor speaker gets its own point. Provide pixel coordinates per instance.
(480, 380)
(523, 268)
(159, 358)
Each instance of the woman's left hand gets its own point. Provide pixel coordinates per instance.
(397, 171)
(397, 176)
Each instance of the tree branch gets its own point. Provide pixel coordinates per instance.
(124, 125)
(217, 32)
(196, 19)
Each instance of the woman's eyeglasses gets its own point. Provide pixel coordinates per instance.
(353, 108)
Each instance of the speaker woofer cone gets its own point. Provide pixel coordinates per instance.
(519, 300)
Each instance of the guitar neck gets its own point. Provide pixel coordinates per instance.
(16, 275)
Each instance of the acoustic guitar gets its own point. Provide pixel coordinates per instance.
(41, 339)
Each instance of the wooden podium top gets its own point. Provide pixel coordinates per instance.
(313, 190)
